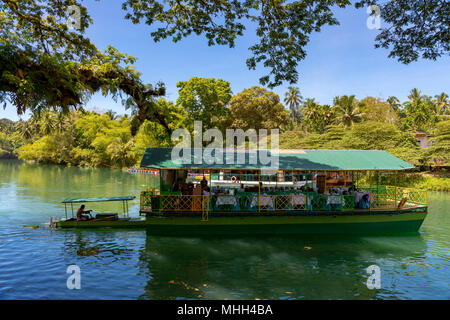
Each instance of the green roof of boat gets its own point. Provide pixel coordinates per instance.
(101, 199)
(289, 159)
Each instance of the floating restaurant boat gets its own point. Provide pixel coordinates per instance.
(311, 191)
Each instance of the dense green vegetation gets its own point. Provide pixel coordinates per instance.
(372, 123)
(51, 70)
(90, 138)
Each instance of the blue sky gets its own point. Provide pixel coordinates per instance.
(341, 60)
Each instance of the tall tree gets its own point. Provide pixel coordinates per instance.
(376, 109)
(293, 99)
(347, 110)
(112, 114)
(419, 111)
(121, 151)
(47, 122)
(442, 104)
(394, 102)
(205, 100)
(439, 152)
(258, 108)
(316, 117)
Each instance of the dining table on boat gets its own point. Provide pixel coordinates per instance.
(284, 200)
(298, 199)
(226, 200)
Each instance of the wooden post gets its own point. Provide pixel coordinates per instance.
(259, 190)
(357, 179)
(345, 179)
(370, 190)
(395, 190)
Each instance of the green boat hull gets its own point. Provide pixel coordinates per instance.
(379, 222)
(363, 224)
(101, 224)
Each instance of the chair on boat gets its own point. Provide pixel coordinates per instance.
(402, 202)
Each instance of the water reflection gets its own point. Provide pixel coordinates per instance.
(290, 267)
(102, 244)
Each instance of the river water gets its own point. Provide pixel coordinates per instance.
(131, 264)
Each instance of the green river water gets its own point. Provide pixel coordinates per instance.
(133, 264)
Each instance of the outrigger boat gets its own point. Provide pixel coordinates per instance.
(312, 191)
(101, 219)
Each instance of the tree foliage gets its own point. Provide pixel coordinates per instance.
(44, 64)
(316, 117)
(369, 135)
(376, 109)
(347, 110)
(205, 100)
(293, 100)
(415, 28)
(258, 108)
(439, 152)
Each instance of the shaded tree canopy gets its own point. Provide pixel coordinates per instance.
(415, 28)
(44, 63)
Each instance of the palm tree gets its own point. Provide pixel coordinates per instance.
(25, 129)
(442, 104)
(111, 114)
(46, 120)
(347, 111)
(415, 94)
(121, 150)
(394, 102)
(293, 99)
(419, 110)
(61, 122)
(327, 114)
(312, 114)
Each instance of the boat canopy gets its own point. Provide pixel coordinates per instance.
(289, 159)
(102, 199)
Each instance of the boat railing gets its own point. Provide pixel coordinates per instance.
(392, 196)
(379, 198)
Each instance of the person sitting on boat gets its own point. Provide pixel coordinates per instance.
(81, 213)
(204, 183)
(177, 185)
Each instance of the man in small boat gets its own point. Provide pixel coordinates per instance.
(81, 214)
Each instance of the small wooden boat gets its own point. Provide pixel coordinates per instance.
(101, 219)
